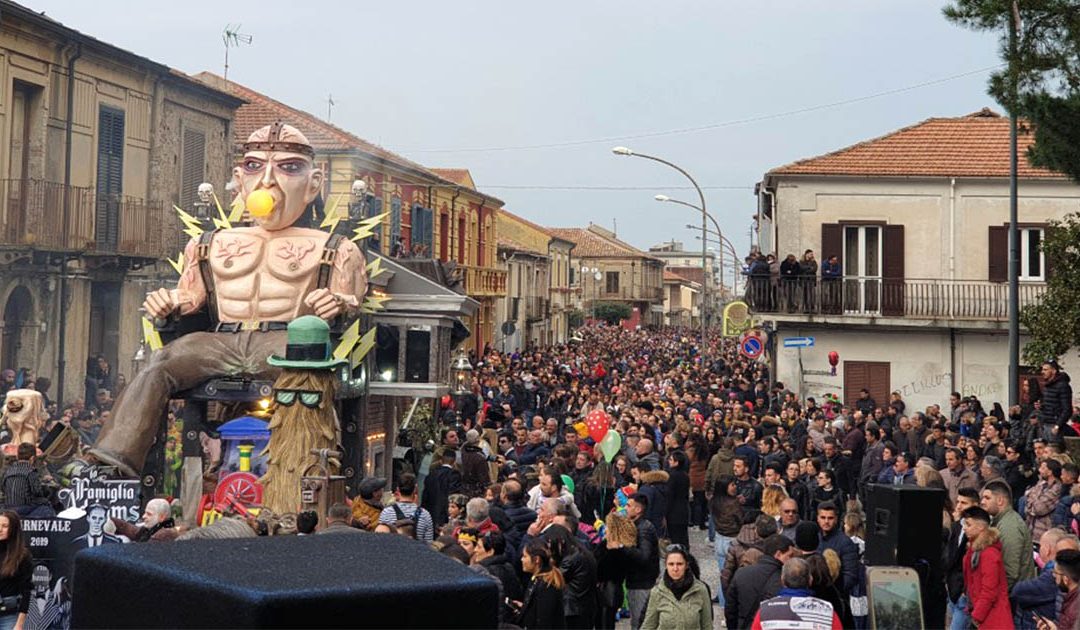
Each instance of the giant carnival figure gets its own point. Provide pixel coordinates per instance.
(252, 281)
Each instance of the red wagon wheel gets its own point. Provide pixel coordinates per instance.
(243, 487)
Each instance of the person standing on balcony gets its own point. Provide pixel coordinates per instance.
(831, 273)
(808, 268)
(789, 280)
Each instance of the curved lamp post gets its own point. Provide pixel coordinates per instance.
(704, 225)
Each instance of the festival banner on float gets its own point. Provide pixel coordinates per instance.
(54, 542)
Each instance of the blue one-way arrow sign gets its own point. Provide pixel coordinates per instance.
(798, 342)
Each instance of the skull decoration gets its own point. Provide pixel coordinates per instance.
(206, 192)
(24, 416)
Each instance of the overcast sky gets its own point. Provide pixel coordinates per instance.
(421, 77)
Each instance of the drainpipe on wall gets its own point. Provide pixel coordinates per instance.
(61, 346)
(952, 229)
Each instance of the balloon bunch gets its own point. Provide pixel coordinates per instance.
(598, 422)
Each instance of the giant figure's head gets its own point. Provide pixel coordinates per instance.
(278, 160)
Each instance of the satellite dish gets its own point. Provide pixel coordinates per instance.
(508, 328)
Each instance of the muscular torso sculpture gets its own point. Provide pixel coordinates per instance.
(254, 280)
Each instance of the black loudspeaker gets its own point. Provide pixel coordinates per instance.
(903, 526)
(322, 581)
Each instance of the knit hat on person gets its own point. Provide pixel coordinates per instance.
(807, 536)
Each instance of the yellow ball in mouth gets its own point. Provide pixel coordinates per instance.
(260, 203)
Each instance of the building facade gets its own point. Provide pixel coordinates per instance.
(682, 301)
(918, 222)
(524, 313)
(96, 144)
(622, 273)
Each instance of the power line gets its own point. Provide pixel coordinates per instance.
(540, 187)
(719, 125)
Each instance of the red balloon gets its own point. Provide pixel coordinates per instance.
(598, 423)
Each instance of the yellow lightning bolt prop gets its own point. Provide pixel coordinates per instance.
(236, 209)
(367, 227)
(332, 214)
(221, 222)
(178, 264)
(373, 304)
(366, 343)
(152, 336)
(348, 341)
(374, 267)
(192, 225)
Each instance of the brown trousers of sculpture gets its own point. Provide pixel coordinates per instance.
(127, 436)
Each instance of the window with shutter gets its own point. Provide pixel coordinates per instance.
(395, 219)
(892, 266)
(998, 250)
(872, 375)
(374, 209)
(110, 173)
(192, 170)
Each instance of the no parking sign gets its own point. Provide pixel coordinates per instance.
(752, 343)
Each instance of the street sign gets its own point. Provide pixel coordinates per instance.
(798, 342)
(751, 344)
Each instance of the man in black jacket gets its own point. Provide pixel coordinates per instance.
(954, 559)
(1056, 406)
(757, 582)
(644, 560)
(513, 504)
(439, 485)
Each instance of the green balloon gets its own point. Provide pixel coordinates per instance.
(568, 483)
(610, 445)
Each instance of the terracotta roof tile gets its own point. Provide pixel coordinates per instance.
(976, 145)
(460, 176)
(261, 110)
(590, 244)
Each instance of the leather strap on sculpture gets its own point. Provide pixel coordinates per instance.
(202, 255)
(326, 263)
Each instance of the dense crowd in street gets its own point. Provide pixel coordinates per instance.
(778, 481)
(516, 489)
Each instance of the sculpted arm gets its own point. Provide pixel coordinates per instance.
(188, 296)
(348, 284)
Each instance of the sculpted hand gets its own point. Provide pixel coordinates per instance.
(160, 304)
(326, 305)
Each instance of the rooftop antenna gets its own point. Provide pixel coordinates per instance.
(329, 106)
(614, 226)
(232, 38)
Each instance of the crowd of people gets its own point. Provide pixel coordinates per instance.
(779, 482)
(515, 488)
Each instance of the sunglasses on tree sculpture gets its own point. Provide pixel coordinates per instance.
(307, 398)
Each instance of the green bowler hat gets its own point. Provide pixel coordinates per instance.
(308, 346)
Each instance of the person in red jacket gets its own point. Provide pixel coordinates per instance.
(984, 572)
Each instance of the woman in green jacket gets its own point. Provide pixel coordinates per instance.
(679, 601)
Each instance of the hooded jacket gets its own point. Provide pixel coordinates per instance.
(692, 611)
(753, 585)
(746, 542)
(984, 576)
(723, 463)
(1015, 540)
(654, 486)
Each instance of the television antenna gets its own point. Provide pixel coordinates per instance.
(232, 37)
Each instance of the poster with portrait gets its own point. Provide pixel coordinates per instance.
(85, 523)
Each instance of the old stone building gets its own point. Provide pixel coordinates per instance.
(96, 144)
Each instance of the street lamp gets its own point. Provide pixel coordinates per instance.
(461, 374)
(704, 225)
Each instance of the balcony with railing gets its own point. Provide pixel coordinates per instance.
(483, 281)
(536, 308)
(32, 216)
(872, 297)
(628, 294)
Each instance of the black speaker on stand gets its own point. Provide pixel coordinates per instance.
(904, 528)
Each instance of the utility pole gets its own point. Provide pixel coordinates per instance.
(1014, 231)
